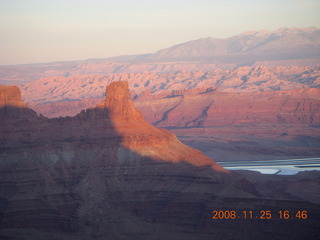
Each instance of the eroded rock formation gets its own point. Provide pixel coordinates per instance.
(251, 79)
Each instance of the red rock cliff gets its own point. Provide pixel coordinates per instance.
(11, 105)
(119, 104)
(10, 96)
(115, 118)
(140, 136)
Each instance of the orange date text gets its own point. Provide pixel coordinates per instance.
(262, 214)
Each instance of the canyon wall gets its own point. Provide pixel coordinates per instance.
(107, 173)
(241, 79)
(274, 123)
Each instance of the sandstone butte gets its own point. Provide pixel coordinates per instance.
(108, 174)
(116, 117)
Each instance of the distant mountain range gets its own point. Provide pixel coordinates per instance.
(284, 47)
(284, 43)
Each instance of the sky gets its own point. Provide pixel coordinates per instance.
(34, 31)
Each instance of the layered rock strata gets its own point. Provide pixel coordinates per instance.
(108, 174)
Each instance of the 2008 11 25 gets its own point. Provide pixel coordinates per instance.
(262, 214)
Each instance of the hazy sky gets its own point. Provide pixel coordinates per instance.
(43, 30)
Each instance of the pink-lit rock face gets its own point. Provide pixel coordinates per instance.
(233, 126)
(241, 79)
(221, 109)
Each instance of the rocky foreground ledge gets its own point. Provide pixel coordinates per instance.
(108, 174)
